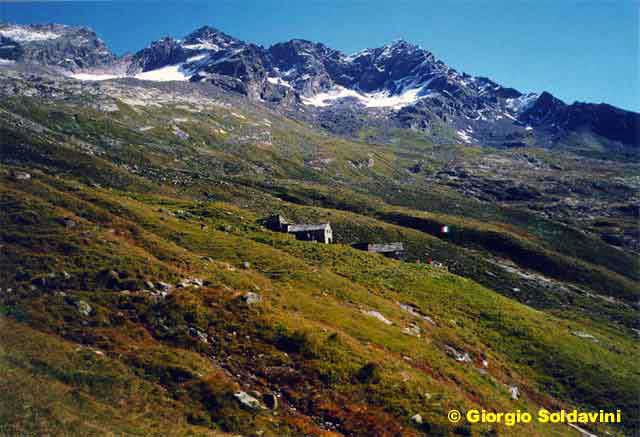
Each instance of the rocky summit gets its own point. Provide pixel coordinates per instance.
(65, 47)
(209, 237)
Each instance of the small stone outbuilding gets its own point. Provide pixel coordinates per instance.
(391, 250)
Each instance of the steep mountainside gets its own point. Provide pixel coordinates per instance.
(142, 294)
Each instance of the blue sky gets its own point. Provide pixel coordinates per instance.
(577, 50)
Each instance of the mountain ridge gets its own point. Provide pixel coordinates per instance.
(404, 82)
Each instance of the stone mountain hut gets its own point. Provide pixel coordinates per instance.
(306, 232)
(322, 233)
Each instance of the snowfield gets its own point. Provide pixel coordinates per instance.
(381, 99)
(170, 73)
(464, 136)
(165, 74)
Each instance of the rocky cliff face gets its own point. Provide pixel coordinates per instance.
(160, 53)
(54, 45)
(605, 120)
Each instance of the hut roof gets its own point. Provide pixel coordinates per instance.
(303, 228)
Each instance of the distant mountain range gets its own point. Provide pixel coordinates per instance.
(398, 85)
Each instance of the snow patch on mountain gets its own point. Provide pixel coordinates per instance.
(278, 81)
(464, 136)
(522, 103)
(380, 99)
(197, 58)
(169, 73)
(204, 45)
(23, 34)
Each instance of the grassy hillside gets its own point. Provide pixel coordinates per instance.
(140, 292)
(312, 320)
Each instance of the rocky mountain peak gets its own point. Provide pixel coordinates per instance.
(165, 51)
(400, 45)
(545, 107)
(54, 45)
(204, 32)
(210, 38)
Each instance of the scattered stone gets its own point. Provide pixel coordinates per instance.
(462, 357)
(416, 313)
(69, 223)
(199, 334)
(252, 298)
(485, 364)
(413, 330)
(66, 276)
(83, 307)
(417, 419)
(190, 282)
(515, 392)
(180, 133)
(246, 265)
(378, 316)
(584, 335)
(163, 286)
(248, 401)
(21, 175)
